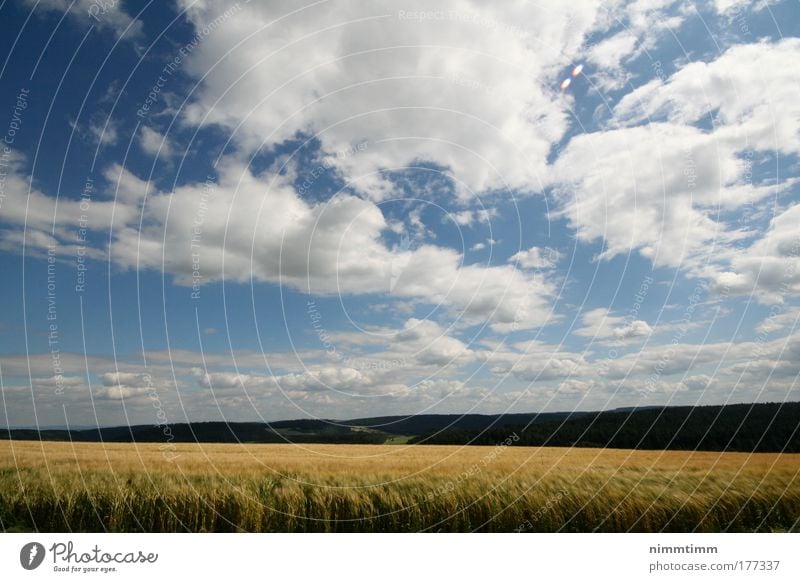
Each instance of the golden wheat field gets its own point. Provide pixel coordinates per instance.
(390, 488)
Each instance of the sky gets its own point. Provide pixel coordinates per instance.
(338, 209)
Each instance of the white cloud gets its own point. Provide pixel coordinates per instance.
(648, 189)
(463, 218)
(644, 23)
(103, 15)
(659, 189)
(751, 87)
(780, 320)
(260, 229)
(56, 223)
(600, 324)
(769, 267)
(735, 8)
(471, 217)
(427, 343)
(125, 385)
(129, 191)
(97, 129)
(534, 361)
(609, 53)
(354, 73)
(155, 143)
(527, 376)
(536, 258)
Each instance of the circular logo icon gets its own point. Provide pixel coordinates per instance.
(31, 555)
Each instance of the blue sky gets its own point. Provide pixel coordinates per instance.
(269, 210)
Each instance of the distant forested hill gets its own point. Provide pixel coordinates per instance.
(363, 430)
(737, 427)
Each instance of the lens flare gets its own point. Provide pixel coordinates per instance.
(577, 70)
(565, 83)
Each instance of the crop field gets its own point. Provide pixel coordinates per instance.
(61, 486)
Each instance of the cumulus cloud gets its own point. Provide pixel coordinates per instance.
(770, 266)
(779, 320)
(262, 230)
(125, 385)
(734, 8)
(154, 143)
(651, 189)
(54, 222)
(428, 343)
(658, 189)
(471, 217)
(600, 324)
(610, 52)
(644, 23)
(103, 15)
(534, 375)
(751, 88)
(536, 258)
(412, 88)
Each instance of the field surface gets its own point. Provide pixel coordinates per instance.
(56, 486)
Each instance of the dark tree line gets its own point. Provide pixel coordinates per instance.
(737, 427)
(770, 427)
(300, 431)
